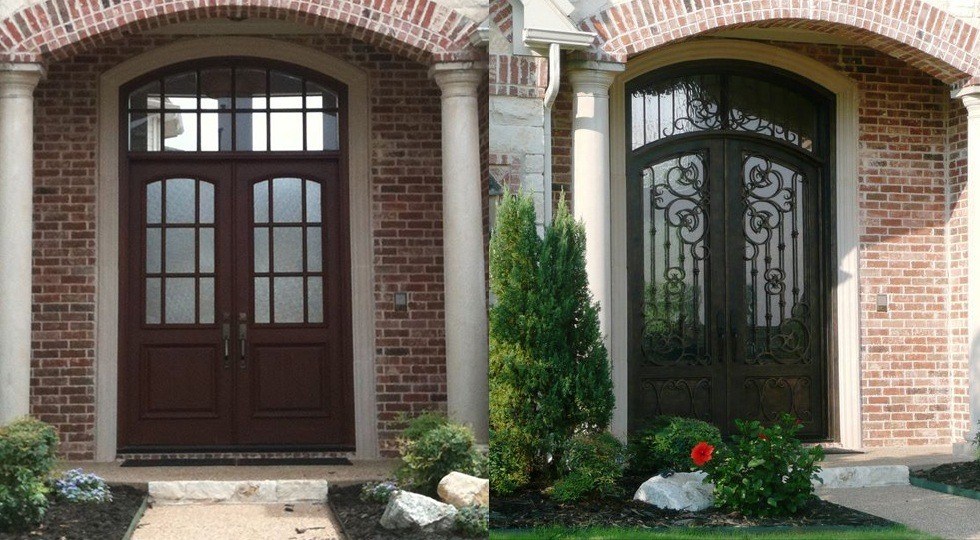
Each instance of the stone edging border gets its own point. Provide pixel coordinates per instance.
(944, 488)
(137, 517)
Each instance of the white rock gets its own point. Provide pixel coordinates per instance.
(461, 490)
(679, 491)
(407, 510)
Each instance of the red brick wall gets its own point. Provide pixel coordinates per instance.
(407, 220)
(913, 365)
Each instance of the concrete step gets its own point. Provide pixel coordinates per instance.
(237, 491)
(863, 476)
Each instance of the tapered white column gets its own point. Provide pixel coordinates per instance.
(971, 99)
(467, 342)
(17, 83)
(590, 175)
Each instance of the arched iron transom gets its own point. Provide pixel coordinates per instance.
(729, 193)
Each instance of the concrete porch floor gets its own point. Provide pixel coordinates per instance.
(913, 457)
(359, 471)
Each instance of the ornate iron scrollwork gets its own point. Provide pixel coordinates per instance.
(673, 332)
(768, 398)
(679, 397)
(778, 313)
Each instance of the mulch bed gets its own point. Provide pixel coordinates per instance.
(531, 509)
(362, 520)
(963, 475)
(87, 521)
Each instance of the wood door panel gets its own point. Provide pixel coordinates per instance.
(288, 380)
(181, 381)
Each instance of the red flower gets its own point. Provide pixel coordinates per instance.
(701, 453)
(763, 437)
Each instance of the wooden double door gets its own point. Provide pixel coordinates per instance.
(235, 305)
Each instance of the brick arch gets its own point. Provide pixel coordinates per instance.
(418, 29)
(913, 30)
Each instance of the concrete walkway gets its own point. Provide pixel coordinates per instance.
(238, 522)
(946, 516)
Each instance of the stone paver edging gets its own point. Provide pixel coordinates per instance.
(238, 492)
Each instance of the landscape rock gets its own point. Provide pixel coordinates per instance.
(461, 490)
(679, 491)
(407, 510)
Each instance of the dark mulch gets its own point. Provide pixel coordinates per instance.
(964, 475)
(531, 509)
(362, 519)
(87, 521)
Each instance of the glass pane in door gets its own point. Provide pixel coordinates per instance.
(287, 240)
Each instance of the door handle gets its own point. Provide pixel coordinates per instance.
(226, 339)
(734, 324)
(242, 337)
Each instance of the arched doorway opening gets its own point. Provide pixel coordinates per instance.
(235, 260)
(729, 194)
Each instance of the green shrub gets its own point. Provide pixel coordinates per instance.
(434, 452)
(549, 370)
(473, 521)
(667, 444)
(509, 466)
(765, 471)
(593, 466)
(27, 455)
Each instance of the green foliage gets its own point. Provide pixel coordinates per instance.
(549, 370)
(435, 450)
(473, 521)
(422, 424)
(593, 466)
(378, 492)
(765, 471)
(509, 461)
(667, 443)
(27, 455)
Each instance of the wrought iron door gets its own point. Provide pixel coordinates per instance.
(729, 232)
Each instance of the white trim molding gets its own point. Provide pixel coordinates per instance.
(845, 370)
(107, 258)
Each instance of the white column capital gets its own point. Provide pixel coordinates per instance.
(458, 79)
(970, 96)
(19, 80)
(593, 78)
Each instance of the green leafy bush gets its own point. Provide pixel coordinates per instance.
(473, 521)
(27, 455)
(593, 466)
(435, 451)
(765, 471)
(549, 370)
(667, 443)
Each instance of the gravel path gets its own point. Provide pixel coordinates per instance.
(238, 521)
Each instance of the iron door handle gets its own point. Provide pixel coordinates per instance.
(242, 337)
(226, 338)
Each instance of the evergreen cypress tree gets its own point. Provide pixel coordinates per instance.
(549, 370)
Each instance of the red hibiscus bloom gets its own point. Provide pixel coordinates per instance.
(701, 453)
(763, 437)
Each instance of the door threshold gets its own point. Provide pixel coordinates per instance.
(231, 462)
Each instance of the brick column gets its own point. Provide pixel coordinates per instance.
(590, 175)
(971, 99)
(467, 341)
(17, 83)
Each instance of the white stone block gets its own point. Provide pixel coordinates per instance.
(461, 490)
(301, 490)
(407, 510)
(679, 491)
(863, 476)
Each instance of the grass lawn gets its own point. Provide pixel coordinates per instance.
(877, 533)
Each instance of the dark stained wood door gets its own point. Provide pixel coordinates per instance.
(235, 320)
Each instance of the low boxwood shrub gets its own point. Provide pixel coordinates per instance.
(509, 464)
(764, 471)
(432, 447)
(593, 466)
(473, 521)
(78, 487)
(666, 444)
(27, 455)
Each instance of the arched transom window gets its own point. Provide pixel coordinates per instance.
(242, 106)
